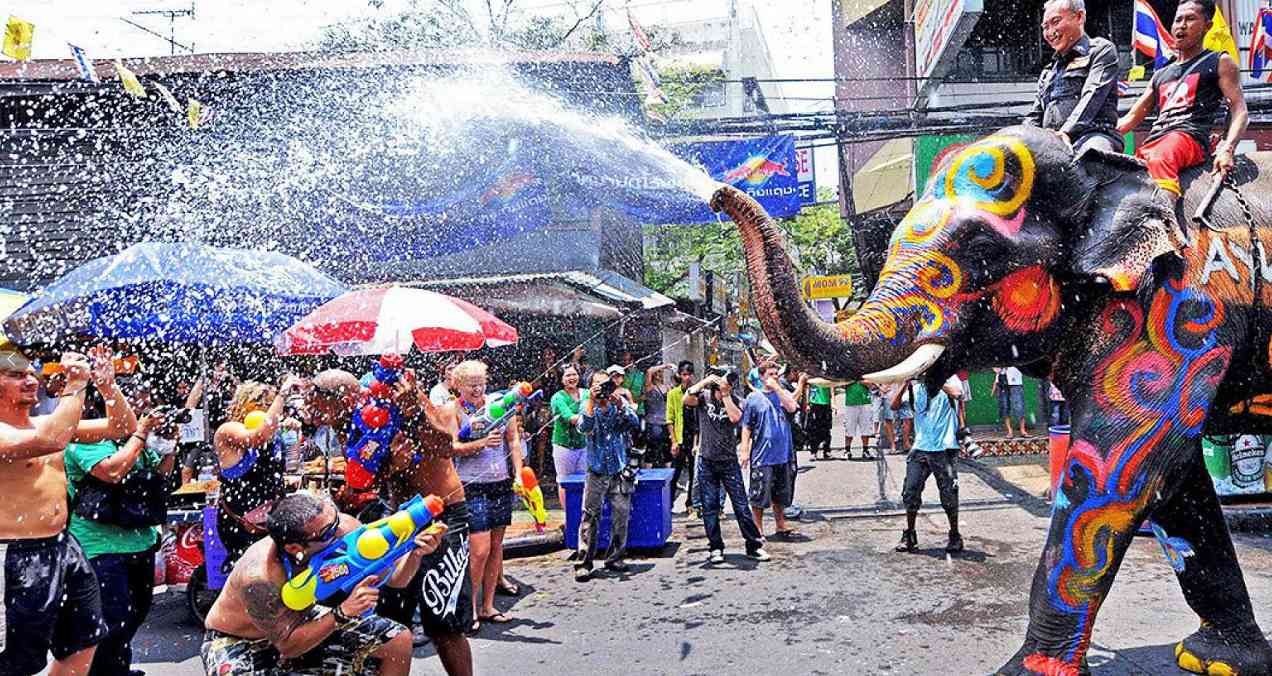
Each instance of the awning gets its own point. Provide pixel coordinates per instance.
(885, 178)
(852, 11)
(593, 293)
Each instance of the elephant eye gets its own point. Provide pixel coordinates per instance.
(979, 251)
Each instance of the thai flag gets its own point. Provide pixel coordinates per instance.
(1150, 37)
(1123, 88)
(1261, 47)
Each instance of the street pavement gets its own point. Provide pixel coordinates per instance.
(841, 602)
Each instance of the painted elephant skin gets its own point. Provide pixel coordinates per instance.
(1018, 254)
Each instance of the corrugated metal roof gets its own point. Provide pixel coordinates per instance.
(65, 69)
(603, 283)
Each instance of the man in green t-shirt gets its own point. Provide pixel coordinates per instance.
(858, 418)
(820, 420)
(122, 557)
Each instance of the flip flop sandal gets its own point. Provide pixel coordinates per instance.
(497, 618)
(473, 628)
(507, 589)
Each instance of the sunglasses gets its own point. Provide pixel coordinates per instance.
(327, 534)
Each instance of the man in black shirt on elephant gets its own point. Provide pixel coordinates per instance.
(1077, 92)
(718, 416)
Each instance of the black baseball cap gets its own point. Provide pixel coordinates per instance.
(685, 366)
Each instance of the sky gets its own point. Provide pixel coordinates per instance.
(798, 31)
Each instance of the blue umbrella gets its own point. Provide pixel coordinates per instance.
(176, 292)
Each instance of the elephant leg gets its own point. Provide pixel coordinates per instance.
(1092, 523)
(1197, 544)
(1142, 394)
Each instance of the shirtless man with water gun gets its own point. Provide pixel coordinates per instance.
(251, 629)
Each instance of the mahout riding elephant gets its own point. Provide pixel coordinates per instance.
(1018, 254)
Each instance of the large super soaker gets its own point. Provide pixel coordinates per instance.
(498, 411)
(532, 497)
(374, 424)
(372, 549)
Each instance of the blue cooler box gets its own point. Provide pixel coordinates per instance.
(650, 525)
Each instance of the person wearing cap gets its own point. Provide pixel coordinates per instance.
(49, 598)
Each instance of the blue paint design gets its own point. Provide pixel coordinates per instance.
(1176, 549)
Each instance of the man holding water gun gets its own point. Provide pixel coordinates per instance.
(251, 630)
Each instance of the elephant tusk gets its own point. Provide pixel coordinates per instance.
(824, 382)
(916, 363)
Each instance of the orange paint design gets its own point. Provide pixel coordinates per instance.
(1027, 300)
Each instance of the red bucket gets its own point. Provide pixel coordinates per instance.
(1059, 452)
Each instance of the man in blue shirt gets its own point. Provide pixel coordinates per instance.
(935, 452)
(607, 420)
(767, 444)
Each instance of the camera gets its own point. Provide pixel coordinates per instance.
(607, 389)
(729, 374)
(964, 438)
(173, 415)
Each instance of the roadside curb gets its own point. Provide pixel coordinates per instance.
(534, 544)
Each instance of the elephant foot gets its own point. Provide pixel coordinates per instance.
(1214, 653)
(1030, 661)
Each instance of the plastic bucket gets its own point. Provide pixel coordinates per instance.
(1058, 450)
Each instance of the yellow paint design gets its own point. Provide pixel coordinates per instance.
(995, 147)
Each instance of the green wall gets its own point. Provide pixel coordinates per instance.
(983, 408)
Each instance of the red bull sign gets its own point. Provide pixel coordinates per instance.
(764, 167)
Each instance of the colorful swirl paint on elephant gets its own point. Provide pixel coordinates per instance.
(921, 289)
(1156, 382)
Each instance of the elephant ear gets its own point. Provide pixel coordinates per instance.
(1129, 225)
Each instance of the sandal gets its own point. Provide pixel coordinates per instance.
(497, 618)
(473, 628)
(505, 588)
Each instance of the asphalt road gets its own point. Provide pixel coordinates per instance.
(841, 602)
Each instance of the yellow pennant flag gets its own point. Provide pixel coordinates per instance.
(1135, 74)
(1219, 39)
(196, 114)
(18, 35)
(131, 84)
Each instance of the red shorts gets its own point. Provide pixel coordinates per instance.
(1168, 155)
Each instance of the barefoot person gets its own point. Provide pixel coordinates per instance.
(420, 463)
(250, 631)
(49, 598)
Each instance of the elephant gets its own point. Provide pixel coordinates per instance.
(1155, 330)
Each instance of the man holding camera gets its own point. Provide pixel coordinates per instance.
(721, 469)
(607, 420)
(935, 452)
(49, 599)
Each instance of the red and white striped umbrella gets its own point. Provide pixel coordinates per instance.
(389, 320)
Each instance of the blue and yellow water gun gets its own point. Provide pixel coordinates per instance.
(370, 550)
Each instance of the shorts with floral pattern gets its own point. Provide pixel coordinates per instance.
(347, 651)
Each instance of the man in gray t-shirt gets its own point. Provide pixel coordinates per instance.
(718, 414)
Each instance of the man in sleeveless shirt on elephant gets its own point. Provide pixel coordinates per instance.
(1188, 94)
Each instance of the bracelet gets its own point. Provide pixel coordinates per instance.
(138, 437)
(71, 394)
(340, 617)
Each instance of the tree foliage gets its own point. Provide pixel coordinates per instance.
(504, 24)
(818, 241)
(684, 88)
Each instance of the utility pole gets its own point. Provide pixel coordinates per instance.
(173, 15)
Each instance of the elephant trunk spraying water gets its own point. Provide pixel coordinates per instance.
(850, 350)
